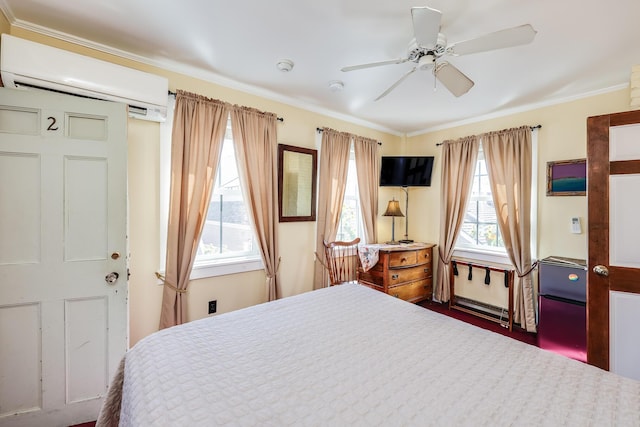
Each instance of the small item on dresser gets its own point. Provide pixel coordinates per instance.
(454, 265)
(368, 256)
(470, 276)
(487, 276)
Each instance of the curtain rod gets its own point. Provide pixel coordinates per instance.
(530, 127)
(280, 119)
(319, 130)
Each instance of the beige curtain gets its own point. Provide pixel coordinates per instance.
(256, 148)
(198, 132)
(458, 164)
(334, 165)
(368, 170)
(508, 156)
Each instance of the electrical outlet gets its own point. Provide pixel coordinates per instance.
(212, 306)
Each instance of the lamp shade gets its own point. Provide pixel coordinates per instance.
(393, 209)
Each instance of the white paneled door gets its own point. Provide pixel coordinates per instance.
(613, 301)
(63, 255)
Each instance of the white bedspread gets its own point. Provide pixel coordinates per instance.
(349, 356)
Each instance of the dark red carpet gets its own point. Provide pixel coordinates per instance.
(517, 333)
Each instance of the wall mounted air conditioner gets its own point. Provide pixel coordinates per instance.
(25, 64)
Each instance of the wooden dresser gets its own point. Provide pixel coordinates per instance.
(403, 271)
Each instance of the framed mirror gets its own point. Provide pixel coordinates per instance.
(296, 183)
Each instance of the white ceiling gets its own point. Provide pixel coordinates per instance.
(581, 47)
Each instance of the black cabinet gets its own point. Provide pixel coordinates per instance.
(562, 320)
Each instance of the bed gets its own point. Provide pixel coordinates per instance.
(347, 356)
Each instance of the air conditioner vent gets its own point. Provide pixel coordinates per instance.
(27, 64)
(49, 89)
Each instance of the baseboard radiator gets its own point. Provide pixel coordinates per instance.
(501, 314)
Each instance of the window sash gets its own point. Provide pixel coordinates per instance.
(489, 254)
(204, 266)
(221, 220)
(480, 193)
(350, 225)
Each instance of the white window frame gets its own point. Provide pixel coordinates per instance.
(499, 256)
(217, 267)
(359, 224)
(491, 251)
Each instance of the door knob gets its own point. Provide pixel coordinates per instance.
(111, 278)
(601, 270)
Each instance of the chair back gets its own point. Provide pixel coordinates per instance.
(342, 261)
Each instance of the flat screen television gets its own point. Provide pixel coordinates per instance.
(406, 171)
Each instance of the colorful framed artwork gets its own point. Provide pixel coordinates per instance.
(567, 178)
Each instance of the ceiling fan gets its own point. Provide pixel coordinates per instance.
(429, 46)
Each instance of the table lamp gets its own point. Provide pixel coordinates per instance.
(393, 210)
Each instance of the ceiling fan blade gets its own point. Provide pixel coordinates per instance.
(393, 86)
(500, 39)
(453, 79)
(426, 26)
(374, 64)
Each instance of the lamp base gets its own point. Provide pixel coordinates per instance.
(406, 241)
(392, 242)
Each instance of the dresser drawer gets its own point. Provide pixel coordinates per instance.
(375, 276)
(414, 291)
(408, 274)
(402, 258)
(424, 256)
(372, 285)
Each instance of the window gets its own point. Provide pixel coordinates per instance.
(350, 225)
(480, 229)
(480, 236)
(228, 243)
(227, 234)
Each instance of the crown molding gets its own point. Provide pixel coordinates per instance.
(196, 73)
(522, 109)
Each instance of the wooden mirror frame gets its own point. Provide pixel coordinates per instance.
(308, 184)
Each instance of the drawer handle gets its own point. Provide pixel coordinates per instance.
(394, 276)
(426, 287)
(403, 260)
(426, 270)
(396, 295)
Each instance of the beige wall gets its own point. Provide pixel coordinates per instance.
(562, 137)
(4, 24)
(297, 240)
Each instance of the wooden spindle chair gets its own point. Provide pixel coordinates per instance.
(342, 261)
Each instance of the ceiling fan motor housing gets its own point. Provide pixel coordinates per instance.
(426, 61)
(425, 56)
